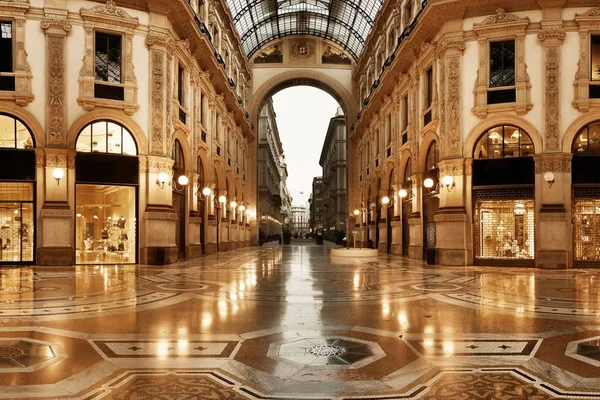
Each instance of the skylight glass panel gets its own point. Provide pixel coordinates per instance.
(346, 22)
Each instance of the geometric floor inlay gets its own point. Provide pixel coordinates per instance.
(24, 355)
(335, 352)
(474, 347)
(162, 349)
(590, 349)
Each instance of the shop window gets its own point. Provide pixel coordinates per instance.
(105, 224)
(14, 134)
(586, 224)
(504, 141)
(106, 137)
(108, 66)
(17, 217)
(7, 82)
(504, 224)
(587, 142)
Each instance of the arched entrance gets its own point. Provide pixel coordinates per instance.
(504, 197)
(390, 213)
(179, 196)
(431, 201)
(106, 194)
(406, 196)
(17, 192)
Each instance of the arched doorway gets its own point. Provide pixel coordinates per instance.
(390, 213)
(106, 194)
(202, 210)
(17, 192)
(504, 197)
(179, 203)
(377, 214)
(406, 206)
(431, 201)
(586, 195)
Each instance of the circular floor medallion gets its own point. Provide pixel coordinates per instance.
(326, 350)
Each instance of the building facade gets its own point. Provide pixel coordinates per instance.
(334, 193)
(273, 198)
(300, 221)
(476, 135)
(124, 132)
(316, 206)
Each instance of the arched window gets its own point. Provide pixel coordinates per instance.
(14, 134)
(587, 141)
(177, 156)
(433, 156)
(407, 171)
(106, 137)
(504, 141)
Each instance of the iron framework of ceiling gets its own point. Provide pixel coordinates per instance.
(345, 22)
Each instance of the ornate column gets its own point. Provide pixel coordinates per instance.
(159, 219)
(56, 217)
(451, 221)
(553, 221)
(195, 219)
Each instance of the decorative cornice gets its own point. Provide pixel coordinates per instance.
(501, 17)
(109, 14)
(592, 12)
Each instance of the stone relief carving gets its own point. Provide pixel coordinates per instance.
(56, 90)
(501, 17)
(454, 106)
(555, 164)
(442, 99)
(157, 94)
(56, 159)
(551, 37)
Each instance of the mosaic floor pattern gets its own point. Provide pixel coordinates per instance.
(285, 322)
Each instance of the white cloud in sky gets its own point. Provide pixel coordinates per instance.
(303, 114)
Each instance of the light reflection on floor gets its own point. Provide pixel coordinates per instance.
(242, 324)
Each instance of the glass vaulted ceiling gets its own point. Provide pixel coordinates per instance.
(346, 22)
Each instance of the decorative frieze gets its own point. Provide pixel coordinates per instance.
(559, 162)
(56, 159)
(453, 133)
(159, 164)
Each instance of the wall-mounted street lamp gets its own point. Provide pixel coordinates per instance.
(403, 193)
(549, 177)
(58, 174)
(447, 182)
(222, 199)
(180, 184)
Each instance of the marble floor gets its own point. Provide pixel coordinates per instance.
(288, 322)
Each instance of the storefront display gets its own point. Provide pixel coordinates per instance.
(105, 224)
(586, 229)
(16, 222)
(504, 229)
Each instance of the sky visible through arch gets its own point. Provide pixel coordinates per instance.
(303, 114)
